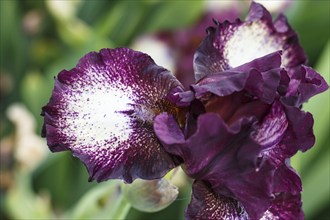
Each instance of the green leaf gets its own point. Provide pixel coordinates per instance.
(316, 185)
(121, 23)
(172, 14)
(22, 203)
(35, 92)
(127, 19)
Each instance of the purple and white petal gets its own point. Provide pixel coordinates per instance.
(206, 204)
(229, 45)
(103, 110)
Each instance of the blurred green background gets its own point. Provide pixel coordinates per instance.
(40, 38)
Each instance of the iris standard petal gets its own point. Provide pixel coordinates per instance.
(103, 109)
(229, 45)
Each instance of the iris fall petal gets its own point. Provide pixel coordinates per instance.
(103, 109)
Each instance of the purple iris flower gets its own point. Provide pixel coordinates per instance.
(233, 131)
(245, 120)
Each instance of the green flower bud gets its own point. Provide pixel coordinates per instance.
(150, 195)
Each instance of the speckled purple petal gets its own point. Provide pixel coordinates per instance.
(206, 204)
(103, 109)
(230, 45)
(285, 206)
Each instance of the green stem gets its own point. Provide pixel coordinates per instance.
(120, 208)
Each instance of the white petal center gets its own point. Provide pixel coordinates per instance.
(248, 42)
(97, 114)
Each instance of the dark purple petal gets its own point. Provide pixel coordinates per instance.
(236, 106)
(272, 128)
(103, 109)
(167, 128)
(298, 134)
(284, 131)
(180, 98)
(287, 189)
(196, 157)
(300, 130)
(285, 206)
(230, 45)
(286, 180)
(224, 156)
(304, 83)
(260, 78)
(221, 84)
(206, 204)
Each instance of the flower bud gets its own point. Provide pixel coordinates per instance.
(150, 195)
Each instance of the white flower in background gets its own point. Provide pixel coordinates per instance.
(275, 6)
(30, 148)
(63, 9)
(157, 49)
(214, 6)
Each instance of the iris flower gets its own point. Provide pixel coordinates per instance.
(233, 131)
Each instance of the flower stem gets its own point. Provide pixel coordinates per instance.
(120, 208)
